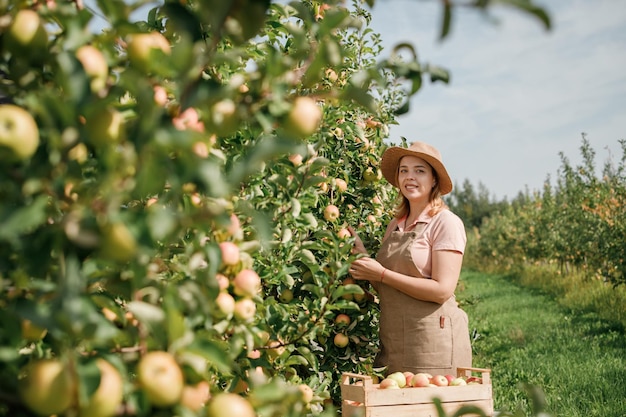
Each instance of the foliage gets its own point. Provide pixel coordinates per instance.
(176, 135)
(578, 224)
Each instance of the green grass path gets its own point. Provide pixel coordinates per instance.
(578, 360)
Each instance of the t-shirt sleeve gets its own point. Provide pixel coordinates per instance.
(448, 232)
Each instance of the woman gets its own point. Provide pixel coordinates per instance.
(417, 269)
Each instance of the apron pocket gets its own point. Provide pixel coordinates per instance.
(427, 342)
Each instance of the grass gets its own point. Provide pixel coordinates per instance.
(576, 358)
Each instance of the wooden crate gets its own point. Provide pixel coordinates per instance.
(361, 397)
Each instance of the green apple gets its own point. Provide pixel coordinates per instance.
(32, 332)
(245, 309)
(227, 404)
(159, 376)
(144, 49)
(105, 127)
(118, 243)
(19, 134)
(27, 36)
(46, 386)
(456, 382)
(107, 398)
(95, 66)
(331, 213)
(304, 118)
(399, 378)
(307, 393)
(225, 304)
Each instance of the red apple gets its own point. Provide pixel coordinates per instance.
(439, 380)
(230, 253)
(160, 378)
(342, 319)
(420, 380)
(389, 383)
(341, 340)
(227, 404)
(450, 378)
(195, 396)
(473, 380)
(341, 185)
(247, 283)
(408, 375)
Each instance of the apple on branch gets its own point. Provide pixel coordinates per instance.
(160, 378)
(19, 134)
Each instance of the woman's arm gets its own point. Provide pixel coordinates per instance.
(446, 268)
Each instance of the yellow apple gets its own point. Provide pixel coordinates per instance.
(19, 134)
(307, 393)
(247, 283)
(304, 117)
(27, 36)
(225, 304)
(227, 404)
(107, 398)
(245, 309)
(32, 332)
(343, 319)
(46, 386)
(144, 49)
(118, 244)
(95, 66)
(341, 340)
(160, 378)
(331, 213)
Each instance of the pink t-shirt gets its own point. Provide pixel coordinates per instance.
(444, 231)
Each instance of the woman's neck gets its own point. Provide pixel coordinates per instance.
(415, 210)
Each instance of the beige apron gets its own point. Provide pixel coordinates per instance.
(415, 335)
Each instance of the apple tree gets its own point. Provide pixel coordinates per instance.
(175, 192)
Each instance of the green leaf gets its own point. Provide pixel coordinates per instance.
(446, 20)
(23, 220)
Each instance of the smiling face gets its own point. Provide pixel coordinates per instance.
(416, 178)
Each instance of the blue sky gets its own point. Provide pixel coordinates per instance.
(518, 95)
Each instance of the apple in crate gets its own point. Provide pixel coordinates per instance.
(408, 375)
(439, 380)
(420, 380)
(389, 383)
(399, 378)
(473, 380)
(456, 382)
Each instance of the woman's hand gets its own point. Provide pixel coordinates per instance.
(359, 247)
(367, 269)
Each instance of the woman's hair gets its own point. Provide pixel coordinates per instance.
(436, 202)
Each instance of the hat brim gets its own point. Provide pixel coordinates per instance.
(391, 159)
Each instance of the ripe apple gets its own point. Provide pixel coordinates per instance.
(160, 378)
(105, 127)
(307, 393)
(370, 175)
(399, 378)
(223, 118)
(95, 65)
(389, 383)
(331, 213)
(276, 348)
(344, 233)
(144, 49)
(245, 309)
(222, 281)
(225, 304)
(420, 380)
(408, 375)
(32, 332)
(46, 386)
(341, 340)
(341, 185)
(296, 159)
(473, 380)
(439, 380)
(304, 117)
(19, 134)
(109, 395)
(343, 319)
(27, 35)
(247, 283)
(227, 404)
(118, 243)
(195, 396)
(450, 378)
(458, 382)
(230, 253)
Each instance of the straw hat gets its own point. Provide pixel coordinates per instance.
(391, 159)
